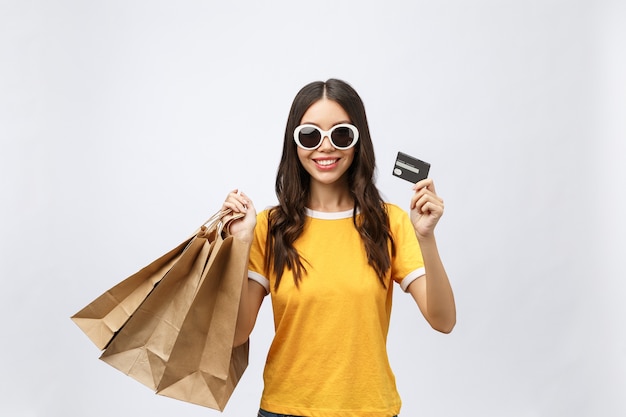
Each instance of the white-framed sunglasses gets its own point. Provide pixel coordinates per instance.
(342, 136)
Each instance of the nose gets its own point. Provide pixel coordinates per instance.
(326, 144)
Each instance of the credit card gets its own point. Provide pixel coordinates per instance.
(410, 169)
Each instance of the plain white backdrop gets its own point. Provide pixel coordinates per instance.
(124, 124)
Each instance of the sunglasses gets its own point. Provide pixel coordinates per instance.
(342, 136)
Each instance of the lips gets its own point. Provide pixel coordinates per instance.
(326, 163)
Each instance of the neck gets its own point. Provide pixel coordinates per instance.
(330, 197)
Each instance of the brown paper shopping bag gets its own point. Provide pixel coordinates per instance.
(142, 348)
(105, 315)
(203, 367)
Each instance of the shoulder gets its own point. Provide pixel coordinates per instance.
(263, 214)
(262, 221)
(399, 221)
(394, 212)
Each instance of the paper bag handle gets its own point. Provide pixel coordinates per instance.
(219, 221)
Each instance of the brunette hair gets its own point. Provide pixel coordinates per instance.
(286, 220)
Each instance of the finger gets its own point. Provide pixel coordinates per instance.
(425, 187)
(428, 202)
(414, 199)
(431, 187)
(244, 198)
(428, 192)
(431, 196)
(418, 196)
(232, 206)
(236, 201)
(425, 183)
(433, 210)
(420, 203)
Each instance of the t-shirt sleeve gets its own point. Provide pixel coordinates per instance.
(256, 266)
(407, 264)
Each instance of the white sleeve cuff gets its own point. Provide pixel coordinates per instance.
(255, 276)
(404, 284)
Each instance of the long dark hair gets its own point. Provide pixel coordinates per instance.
(286, 220)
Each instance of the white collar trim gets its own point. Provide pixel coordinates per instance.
(329, 215)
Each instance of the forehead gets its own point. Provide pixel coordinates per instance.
(325, 113)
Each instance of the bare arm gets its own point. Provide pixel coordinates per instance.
(432, 292)
(252, 293)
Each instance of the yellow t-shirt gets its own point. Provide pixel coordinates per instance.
(329, 357)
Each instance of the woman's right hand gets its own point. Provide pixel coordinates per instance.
(242, 228)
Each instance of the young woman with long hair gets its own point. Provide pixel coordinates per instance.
(329, 254)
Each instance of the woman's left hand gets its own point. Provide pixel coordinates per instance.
(426, 208)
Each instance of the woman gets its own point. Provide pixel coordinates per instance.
(329, 254)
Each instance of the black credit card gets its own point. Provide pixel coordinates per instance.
(410, 169)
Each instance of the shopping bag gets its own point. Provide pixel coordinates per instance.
(142, 347)
(106, 315)
(203, 367)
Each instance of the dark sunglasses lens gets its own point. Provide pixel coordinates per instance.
(343, 136)
(309, 137)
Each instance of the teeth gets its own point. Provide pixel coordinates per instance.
(326, 162)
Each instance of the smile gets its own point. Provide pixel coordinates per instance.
(325, 162)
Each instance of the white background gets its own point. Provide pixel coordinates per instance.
(123, 125)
